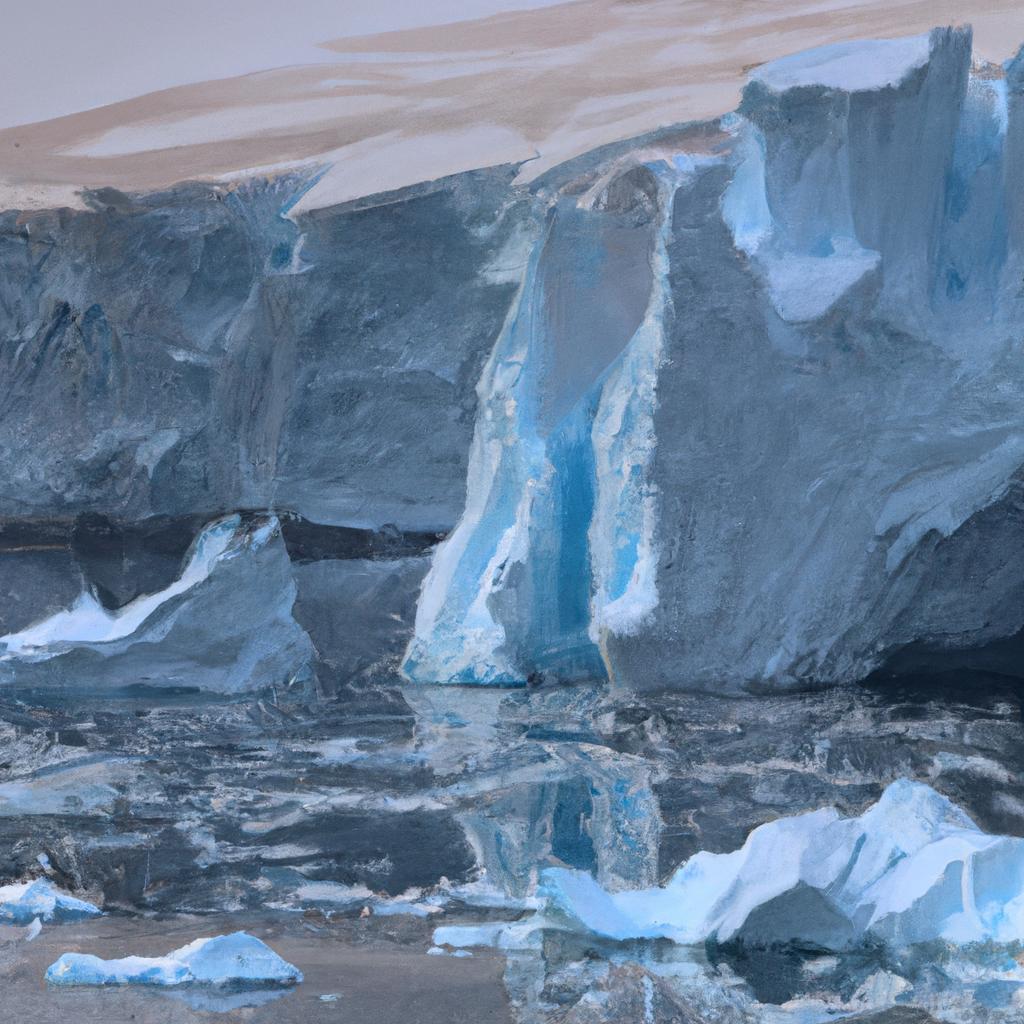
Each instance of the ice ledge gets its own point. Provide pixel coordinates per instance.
(859, 66)
(804, 288)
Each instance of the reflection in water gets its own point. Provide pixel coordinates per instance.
(213, 1000)
(429, 808)
(595, 781)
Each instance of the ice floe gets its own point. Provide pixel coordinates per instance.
(235, 960)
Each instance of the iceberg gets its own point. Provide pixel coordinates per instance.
(87, 621)
(25, 902)
(913, 868)
(235, 960)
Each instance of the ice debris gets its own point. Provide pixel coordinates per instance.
(235, 960)
(24, 902)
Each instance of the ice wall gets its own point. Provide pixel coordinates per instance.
(804, 457)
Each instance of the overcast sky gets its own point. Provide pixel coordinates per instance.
(62, 56)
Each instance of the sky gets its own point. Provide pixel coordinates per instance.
(62, 56)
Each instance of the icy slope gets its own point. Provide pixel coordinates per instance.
(224, 624)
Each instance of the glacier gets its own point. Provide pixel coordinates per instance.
(236, 961)
(781, 463)
(729, 414)
(725, 406)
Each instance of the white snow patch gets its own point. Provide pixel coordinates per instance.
(857, 66)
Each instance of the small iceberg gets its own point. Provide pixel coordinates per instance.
(237, 960)
(25, 902)
(913, 868)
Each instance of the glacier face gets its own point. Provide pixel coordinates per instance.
(792, 458)
(730, 405)
(496, 607)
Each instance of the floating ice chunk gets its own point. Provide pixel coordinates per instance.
(509, 935)
(235, 960)
(854, 67)
(394, 908)
(913, 868)
(803, 288)
(24, 902)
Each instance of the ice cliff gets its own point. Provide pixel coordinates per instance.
(730, 405)
(801, 451)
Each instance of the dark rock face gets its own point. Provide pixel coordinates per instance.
(359, 613)
(173, 357)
